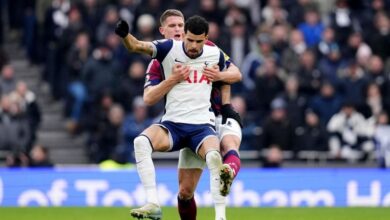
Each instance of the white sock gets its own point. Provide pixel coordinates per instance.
(214, 162)
(145, 167)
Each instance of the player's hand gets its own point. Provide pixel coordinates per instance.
(228, 112)
(122, 28)
(212, 73)
(180, 72)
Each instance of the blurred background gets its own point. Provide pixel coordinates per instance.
(315, 89)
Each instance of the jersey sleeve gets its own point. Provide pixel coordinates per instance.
(161, 49)
(153, 74)
(228, 61)
(222, 62)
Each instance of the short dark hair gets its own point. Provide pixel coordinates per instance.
(196, 25)
(169, 13)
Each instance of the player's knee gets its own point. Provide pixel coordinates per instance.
(185, 192)
(213, 159)
(142, 146)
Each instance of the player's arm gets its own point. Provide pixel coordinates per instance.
(154, 93)
(227, 110)
(131, 43)
(230, 75)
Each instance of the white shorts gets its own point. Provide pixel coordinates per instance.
(189, 160)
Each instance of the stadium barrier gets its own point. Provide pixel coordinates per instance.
(253, 187)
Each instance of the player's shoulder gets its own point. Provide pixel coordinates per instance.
(210, 43)
(154, 66)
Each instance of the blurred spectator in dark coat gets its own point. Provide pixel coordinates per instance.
(381, 36)
(14, 126)
(268, 85)
(295, 102)
(312, 136)
(376, 74)
(330, 64)
(131, 85)
(92, 13)
(290, 56)
(355, 46)
(342, 21)
(327, 42)
(107, 25)
(309, 76)
(28, 103)
(108, 136)
(374, 103)
(278, 133)
(210, 11)
(100, 73)
(353, 83)
(327, 103)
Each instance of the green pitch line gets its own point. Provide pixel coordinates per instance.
(203, 213)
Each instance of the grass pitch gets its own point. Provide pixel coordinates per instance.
(170, 213)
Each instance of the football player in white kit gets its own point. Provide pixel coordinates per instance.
(229, 132)
(188, 120)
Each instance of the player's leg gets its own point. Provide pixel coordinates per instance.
(209, 150)
(154, 138)
(190, 169)
(230, 136)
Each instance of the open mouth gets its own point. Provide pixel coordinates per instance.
(177, 36)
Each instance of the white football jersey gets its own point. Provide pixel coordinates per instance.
(188, 101)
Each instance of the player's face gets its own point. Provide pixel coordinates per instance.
(193, 43)
(173, 28)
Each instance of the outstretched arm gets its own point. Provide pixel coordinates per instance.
(131, 43)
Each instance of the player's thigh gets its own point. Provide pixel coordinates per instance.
(230, 142)
(188, 180)
(188, 159)
(158, 136)
(210, 143)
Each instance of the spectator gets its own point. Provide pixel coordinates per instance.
(290, 56)
(27, 101)
(312, 136)
(350, 134)
(278, 132)
(273, 13)
(251, 130)
(7, 80)
(353, 83)
(327, 42)
(133, 125)
(131, 85)
(107, 25)
(330, 64)
(309, 76)
(381, 36)
(256, 58)
(327, 103)
(374, 103)
(268, 85)
(376, 74)
(14, 127)
(355, 47)
(312, 28)
(100, 73)
(108, 136)
(342, 21)
(295, 102)
(40, 157)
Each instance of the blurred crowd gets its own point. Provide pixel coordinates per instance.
(316, 74)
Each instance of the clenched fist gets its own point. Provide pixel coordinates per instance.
(122, 28)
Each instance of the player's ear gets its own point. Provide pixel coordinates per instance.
(162, 30)
(206, 37)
